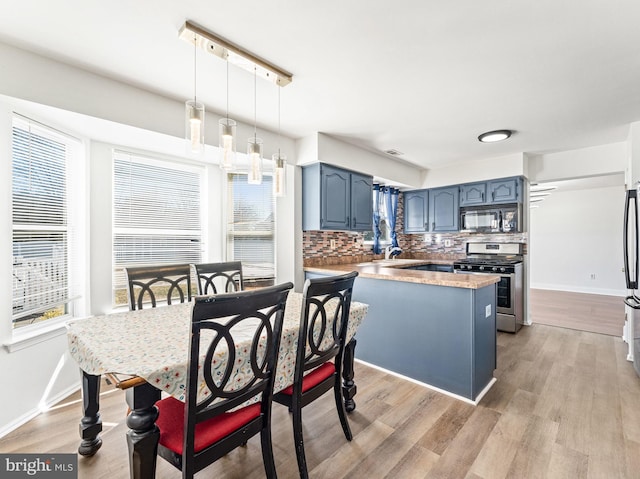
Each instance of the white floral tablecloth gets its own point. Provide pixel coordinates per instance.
(154, 344)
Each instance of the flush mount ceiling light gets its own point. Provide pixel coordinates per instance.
(232, 53)
(493, 136)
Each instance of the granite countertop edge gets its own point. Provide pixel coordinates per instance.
(393, 270)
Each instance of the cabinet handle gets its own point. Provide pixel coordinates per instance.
(426, 226)
(482, 196)
(433, 226)
(493, 196)
(347, 225)
(353, 223)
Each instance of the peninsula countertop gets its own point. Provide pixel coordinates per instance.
(395, 270)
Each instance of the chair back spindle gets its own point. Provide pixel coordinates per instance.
(149, 285)
(216, 278)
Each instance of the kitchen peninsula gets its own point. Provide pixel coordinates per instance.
(433, 327)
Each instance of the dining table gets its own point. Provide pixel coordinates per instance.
(153, 345)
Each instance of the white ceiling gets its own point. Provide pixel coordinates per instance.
(424, 77)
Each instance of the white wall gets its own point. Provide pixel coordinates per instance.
(580, 163)
(110, 113)
(468, 172)
(577, 233)
(324, 148)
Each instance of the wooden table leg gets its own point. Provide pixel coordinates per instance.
(91, 423)
(143, 434)
(349, 388)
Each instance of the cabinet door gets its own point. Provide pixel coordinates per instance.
(335, 198)
(361, 202)
(443, 209)
(416, 212)
(473, 194)
(503, 191)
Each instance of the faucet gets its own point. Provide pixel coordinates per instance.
(390, 252)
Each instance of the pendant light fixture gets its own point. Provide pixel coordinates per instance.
(227, 136)
(194, 114)
(279, 164)
(254, 146)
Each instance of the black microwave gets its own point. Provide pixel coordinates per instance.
(491, 219)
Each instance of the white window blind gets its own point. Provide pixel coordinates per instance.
(156, 215)
(45, 270)
(250, 227)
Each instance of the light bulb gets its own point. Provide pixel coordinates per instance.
(279, 174)
(226, 131)
(254, 149)
(194, 126)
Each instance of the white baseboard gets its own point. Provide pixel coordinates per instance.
(580, 289)
(29, 415)
(434, 388)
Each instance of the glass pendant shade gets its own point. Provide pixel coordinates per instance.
(227, 135)
(254, 149)
(279, 174)
(194, 126)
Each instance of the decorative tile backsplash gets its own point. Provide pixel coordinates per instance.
(349, 246)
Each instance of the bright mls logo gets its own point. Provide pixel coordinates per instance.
(46, 466)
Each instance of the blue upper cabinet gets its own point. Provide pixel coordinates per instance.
(336, 199)
(504, 190)
(473, 194)
(443, 209)
(416, 211)
(508, 190)
(361, 202)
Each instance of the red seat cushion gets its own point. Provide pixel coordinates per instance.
(314, 378)
(171, 424)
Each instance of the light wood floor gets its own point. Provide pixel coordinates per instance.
(586, 312)
(566, 405)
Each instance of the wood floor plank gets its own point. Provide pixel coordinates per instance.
(354, 453)
(586, 312)
(566, 462)
(416, 464)
(463, 450)
(534, 453)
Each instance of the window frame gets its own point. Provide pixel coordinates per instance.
(74, 227)
(249, 280)
(153, 160)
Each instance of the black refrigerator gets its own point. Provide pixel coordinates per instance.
(632, 301)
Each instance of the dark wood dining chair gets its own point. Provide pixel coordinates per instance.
(150, 284)
(323, 330)
(215, 278)
(197, 433)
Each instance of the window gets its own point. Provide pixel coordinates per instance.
(385, 232)
(156, 215)
(46, 201)
(250, 228)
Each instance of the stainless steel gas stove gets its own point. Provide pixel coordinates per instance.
(504, 260)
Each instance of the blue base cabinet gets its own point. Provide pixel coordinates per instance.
(441, 336)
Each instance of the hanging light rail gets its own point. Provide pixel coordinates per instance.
(232, 53)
